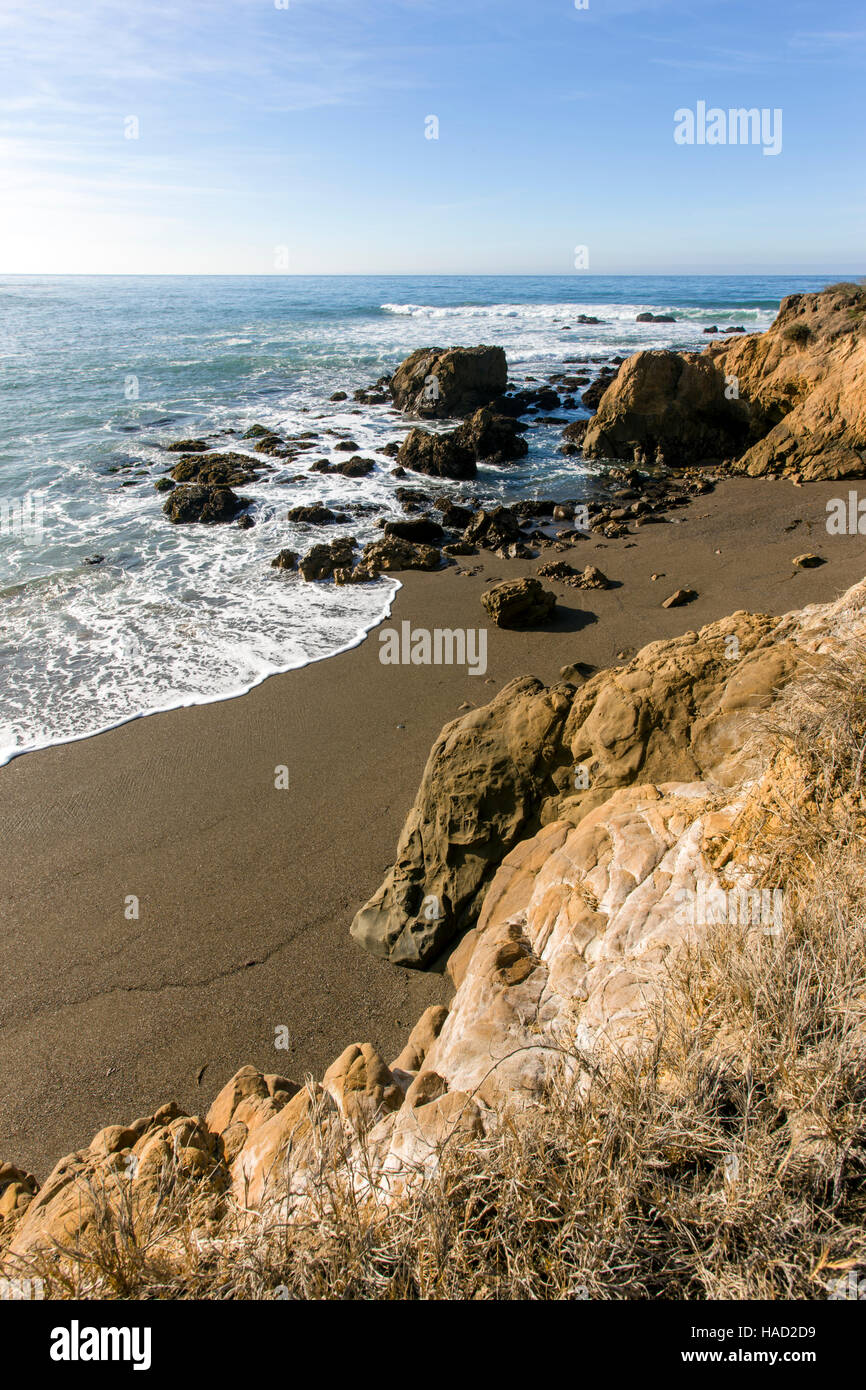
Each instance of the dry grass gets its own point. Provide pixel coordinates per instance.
(728, 1161)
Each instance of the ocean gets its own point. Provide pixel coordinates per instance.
(98, 374)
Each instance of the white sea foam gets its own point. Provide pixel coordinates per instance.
(178, 615)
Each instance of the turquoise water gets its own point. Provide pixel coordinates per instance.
(97, 374)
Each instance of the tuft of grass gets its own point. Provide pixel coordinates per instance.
(798, 333)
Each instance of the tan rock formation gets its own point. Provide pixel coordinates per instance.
(594, 889)
(485, 781)
(789, 401)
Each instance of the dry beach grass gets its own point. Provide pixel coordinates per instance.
(727, 1159)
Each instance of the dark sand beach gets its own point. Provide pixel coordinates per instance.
(246, 892)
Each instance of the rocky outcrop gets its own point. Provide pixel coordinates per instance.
(674, 712)
(435, 383)
(321, 561)
(581, 835)
(664, 405)
(493, 528)
(494, 438)
(791, 401)
(485, 781)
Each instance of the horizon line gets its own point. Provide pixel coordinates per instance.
(417, 274)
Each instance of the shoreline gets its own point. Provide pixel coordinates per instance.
(246, 892)
(204, 699)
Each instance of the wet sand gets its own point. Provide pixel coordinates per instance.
(245, 891)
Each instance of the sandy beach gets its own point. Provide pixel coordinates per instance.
(245, 891)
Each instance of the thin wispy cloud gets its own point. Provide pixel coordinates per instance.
(305, 127)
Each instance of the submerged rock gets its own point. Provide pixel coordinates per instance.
(187, 446)
(210, 505)
(313, 514)
(217, 470)
(321, 561)
(355, 467)
(285, 560)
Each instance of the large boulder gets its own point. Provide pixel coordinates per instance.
(421, 529)
(195, 502)
(493, 528)
(519, 603)
(438, 455)
(669, 404)
(485, 437)
(675, 712)
(435, 383)
(484, 782)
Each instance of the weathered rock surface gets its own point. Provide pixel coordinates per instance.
(669, 404)
(484, 438)
(485, 781)
(435, 383)
(216, 470)
(438, 455)
(493, 528)
(394, 553)
(314, 514)
(422, 529)
(494, 438)
(798, 405)
(679, 598)
(355, 467)
(578, 889)
(519, 603)
(590, 577)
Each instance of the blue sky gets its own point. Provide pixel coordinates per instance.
(304, 128)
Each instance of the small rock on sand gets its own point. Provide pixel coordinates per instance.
(679, 598)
